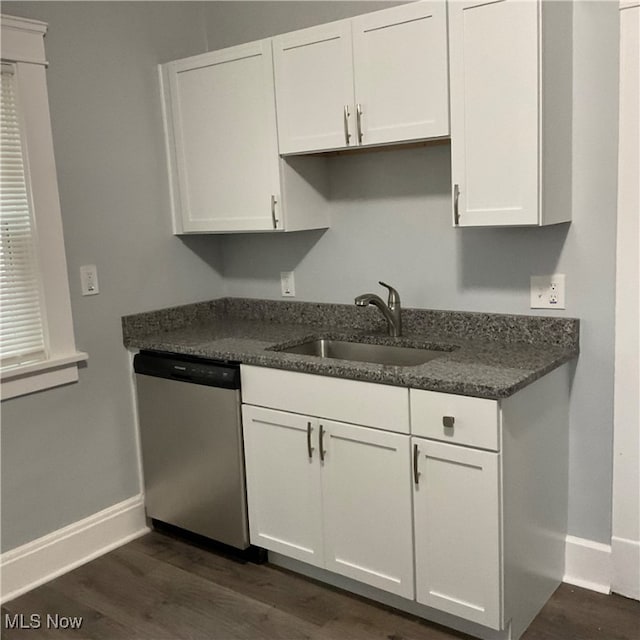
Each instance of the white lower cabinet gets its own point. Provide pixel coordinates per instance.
(331, 494)
(457, 530)
(367, 506)
(283, 484)
(470, 501)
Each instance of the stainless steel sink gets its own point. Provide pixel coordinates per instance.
(362, 352)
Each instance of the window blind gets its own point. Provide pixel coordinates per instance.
(22, 337)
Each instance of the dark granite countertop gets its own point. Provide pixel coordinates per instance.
(491, 356)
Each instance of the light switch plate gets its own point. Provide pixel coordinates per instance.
(89, 280)
(548, 292)
(287, 284)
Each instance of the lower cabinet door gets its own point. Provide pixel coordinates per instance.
(366, 490)
(457, 531)
(283, 483)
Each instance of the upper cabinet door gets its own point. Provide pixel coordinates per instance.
(401, 73)
(495, 132)
(220, 117)
(314, 88)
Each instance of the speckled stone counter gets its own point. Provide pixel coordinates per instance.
(483, 355)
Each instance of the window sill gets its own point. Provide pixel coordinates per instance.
(38, 376)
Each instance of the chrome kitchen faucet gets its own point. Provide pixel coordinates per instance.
(391, 311)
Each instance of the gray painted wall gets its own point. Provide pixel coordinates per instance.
(228, 23)
(71, 451)
(391, 221)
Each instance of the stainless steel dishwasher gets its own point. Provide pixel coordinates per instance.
(191, 435)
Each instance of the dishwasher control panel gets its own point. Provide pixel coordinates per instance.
(187, 369)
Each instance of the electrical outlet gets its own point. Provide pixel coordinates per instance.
(548, 292)
(89, 280)
(287, 284)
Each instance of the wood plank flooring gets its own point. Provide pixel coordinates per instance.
(159, 588)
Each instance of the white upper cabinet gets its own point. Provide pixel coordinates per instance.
(375, 79)
(314, 88)
(510, 82)
(220, 124)
(223, 116)
(401, 82)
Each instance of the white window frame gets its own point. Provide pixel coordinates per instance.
(23, 45)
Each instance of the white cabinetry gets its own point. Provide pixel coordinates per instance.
(220, 125)
(367, 506)
(314, 88)
(457, 505)
(511, 111)
(284, 493)
(490, 510)
(457, 530)
(473, 501)
(334, 495)
(375, 79)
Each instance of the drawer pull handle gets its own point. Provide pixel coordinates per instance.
(359, 121)
(456, 210)
(416, 473)
(448, 421)
(309, 447)
(321, 443)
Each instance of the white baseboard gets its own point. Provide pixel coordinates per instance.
(625, 555)
(46, 558)
(588, 564)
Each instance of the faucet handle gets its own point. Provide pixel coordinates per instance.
(394, 296)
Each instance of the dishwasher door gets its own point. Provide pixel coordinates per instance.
(191, 436)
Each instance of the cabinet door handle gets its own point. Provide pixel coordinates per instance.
(456, 198)
(416, 473)
(448, 421)
(309, 447)
(321, 443)
(273, 211)
(359, 121)
(347, 135)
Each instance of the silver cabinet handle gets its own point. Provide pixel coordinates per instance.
(309, 447)
(448, 421)
(273, 211)
(456, 198)
(416, 473)
(347, 135)
(359, 121)
(321, 443)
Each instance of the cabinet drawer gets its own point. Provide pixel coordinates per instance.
(475, 420)
(363, 403)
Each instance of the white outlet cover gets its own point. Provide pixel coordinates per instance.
(548, 292)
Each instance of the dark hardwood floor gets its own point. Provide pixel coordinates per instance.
(158, 588)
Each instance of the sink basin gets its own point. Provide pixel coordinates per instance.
(362, 352)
